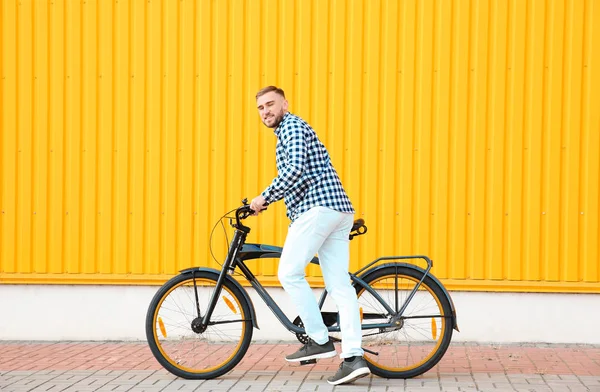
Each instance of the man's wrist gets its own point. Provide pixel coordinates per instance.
(266, 194)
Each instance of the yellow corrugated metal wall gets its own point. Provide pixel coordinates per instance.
(464, 130)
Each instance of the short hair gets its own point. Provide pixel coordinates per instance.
(268, 89)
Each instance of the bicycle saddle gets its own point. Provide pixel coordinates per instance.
(358, 228)
(357, 224)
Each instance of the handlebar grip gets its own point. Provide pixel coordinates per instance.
(245, 211)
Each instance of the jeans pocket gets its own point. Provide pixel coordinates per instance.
(329, 222)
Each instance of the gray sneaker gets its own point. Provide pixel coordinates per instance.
(350, 371)
(312, 350)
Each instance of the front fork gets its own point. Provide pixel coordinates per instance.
(228, 267)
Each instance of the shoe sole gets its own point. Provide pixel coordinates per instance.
(314, 356)
(355, 375)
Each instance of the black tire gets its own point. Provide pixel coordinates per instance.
(401, 356)
(192, 355)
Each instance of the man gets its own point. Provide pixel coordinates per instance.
(322, 217)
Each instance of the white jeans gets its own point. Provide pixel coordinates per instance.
(324, 231)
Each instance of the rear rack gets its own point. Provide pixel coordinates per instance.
(386, 258)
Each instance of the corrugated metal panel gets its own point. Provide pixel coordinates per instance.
(464, 130)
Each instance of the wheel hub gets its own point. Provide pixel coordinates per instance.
(397, 324)
(197, 325)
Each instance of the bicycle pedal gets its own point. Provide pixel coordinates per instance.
(308, 362)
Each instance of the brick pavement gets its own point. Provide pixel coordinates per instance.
(130, 366)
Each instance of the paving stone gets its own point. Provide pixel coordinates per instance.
(534, 388)
(114, 388)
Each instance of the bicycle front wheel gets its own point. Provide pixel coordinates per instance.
(176, 340)
(419, 338)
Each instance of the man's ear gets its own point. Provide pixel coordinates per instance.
(285, 105)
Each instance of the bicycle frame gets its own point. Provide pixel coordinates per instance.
(284, 320)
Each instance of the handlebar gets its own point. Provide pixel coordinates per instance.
(243, 212)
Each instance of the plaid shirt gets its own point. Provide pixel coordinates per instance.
(306, 178)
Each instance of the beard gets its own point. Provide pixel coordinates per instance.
(274, 120)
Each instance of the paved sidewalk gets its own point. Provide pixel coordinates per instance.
(130, 366)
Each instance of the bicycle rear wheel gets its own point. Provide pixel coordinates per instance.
(420, 337)
(201, 354)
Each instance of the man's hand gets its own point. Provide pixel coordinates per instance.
(258, 204)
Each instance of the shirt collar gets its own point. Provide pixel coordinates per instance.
(283, 120)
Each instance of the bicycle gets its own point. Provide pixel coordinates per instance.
(199, 324)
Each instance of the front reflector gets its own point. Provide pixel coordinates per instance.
(228, 302)
(161, 325)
